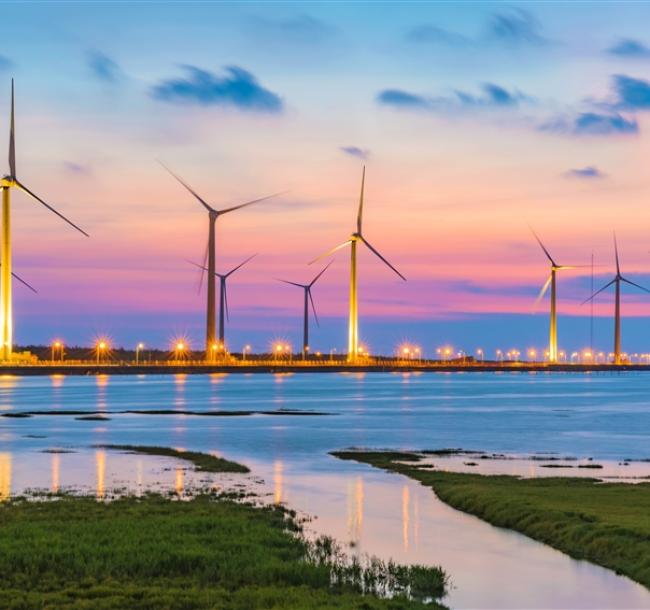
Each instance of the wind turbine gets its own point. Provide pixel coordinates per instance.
(552, 282)
(213, 214)
(355, 238)
(6, 184)
(308, 298)
(618, 278)
(223, 300)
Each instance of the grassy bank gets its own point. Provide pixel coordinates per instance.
(208, 552)
(203, 461)
(605, 523)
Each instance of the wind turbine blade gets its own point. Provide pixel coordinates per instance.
(292, 283)
(23, 188)
(539, 241)
(243, 205)
(376, 253)
(330, 252)
(360, 212)
(618, 265)
(196, 264)
(313, 307)
(542, 292)
(24, 283)
(598, 292)
(225, 298)
(631, 283)
(204, 267)
(200, 199)
(321, 273)
(12, 137)
(240, 265)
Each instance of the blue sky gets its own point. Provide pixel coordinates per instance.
(474, 119)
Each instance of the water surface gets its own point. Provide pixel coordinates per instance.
(602, 416)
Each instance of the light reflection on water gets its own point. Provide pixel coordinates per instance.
(604, 416)
(374, 513)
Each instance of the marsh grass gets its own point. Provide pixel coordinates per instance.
(207, 552)
(203, 462)
(605, 523)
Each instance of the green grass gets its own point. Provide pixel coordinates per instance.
(605, 523)
(203, 461)
(154, 553)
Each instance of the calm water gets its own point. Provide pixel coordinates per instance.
(604, 416)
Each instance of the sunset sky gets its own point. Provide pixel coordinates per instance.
(474, 121)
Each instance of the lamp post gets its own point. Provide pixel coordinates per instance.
(180, 350)
(57, 346)
(479, 353)
(247, 348)
(138, 348)
(101, 348)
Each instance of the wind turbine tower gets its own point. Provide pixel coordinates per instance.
(308, 298)
(618, 279)
(6, 184)
(210, 255)
(356, 238)
(552, 282)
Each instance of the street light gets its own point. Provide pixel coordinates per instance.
(180, 349)
(479, 353)
(101, 348)
(138, 348)
(57, 346)
(247, 348)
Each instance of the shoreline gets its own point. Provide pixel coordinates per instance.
(584, 518)
(299, 367)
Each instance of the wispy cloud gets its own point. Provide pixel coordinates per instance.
(590, 172)
(631, 93)
(592, 124)
(300, 29)
(516, 27)
(355, 151)
(491, 96)
(432, 34)
(77, 169)
(237, 88)
(103, 67)
(510, 27)
(628, 47)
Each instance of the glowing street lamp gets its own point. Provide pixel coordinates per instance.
(138, 348)
(101, 348)
(479, 353)
(180, 349)
(57, 346)
(247, 348)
